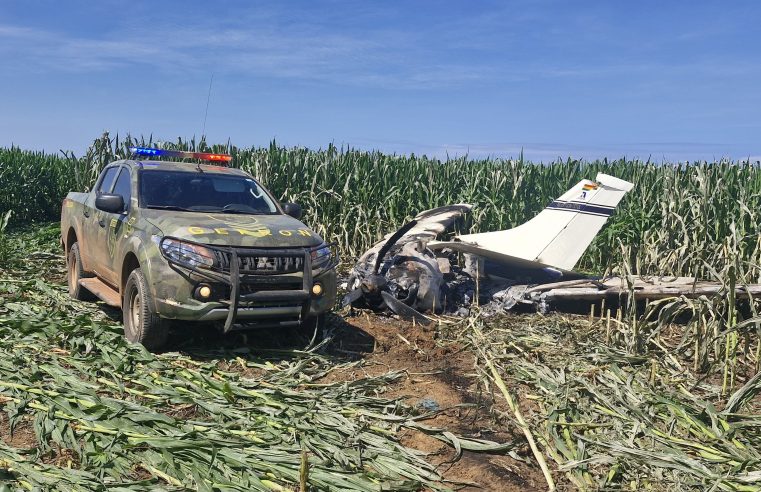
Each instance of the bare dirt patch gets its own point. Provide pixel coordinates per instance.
(440, 379)
(23, 433)
(23, 437)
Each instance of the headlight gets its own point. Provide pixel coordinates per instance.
(189, 254)
(321, 256)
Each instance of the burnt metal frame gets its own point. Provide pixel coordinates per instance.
(234, 276)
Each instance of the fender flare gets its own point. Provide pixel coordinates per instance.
(140, 250)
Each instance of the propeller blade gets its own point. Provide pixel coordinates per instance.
(391, 242)
(403, 310)
(351, 297)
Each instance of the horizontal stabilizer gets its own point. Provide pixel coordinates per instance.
(507, 261)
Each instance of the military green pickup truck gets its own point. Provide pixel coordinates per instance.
(195, 242)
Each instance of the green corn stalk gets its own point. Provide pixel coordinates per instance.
(673, 222)
(4, 242)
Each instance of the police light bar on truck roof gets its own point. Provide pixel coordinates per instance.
(204, 156)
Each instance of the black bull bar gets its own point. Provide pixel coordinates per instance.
(233, 276)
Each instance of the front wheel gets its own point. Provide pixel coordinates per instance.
(141, 324)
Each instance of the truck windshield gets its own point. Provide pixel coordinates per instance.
(203, 192)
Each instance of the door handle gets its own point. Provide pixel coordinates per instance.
(102, 223)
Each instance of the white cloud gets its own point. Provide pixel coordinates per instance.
(386, 56)
(378, 59)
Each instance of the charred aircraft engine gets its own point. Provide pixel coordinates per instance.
(400, 272)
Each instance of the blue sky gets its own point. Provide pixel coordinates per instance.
(670, 80)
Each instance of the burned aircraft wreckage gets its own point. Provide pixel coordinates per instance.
(410, 272)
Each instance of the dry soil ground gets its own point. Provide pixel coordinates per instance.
(439, 374)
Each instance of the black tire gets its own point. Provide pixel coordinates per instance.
(141, 324)
(75, 273)
(313, 327)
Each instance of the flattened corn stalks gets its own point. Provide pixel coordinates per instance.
(610, 422)
(208, 419)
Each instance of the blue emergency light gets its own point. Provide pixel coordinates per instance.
(204, 156)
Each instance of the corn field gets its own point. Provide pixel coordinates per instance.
(656, 397)
(680, 219)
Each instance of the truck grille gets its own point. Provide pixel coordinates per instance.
(274, 264)
(250, 288)
(222, 291)
(261, 263)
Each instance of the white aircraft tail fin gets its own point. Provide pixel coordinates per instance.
(560, 234)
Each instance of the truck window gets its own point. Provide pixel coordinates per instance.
(203, 192)
(107, 181)
(123, 186)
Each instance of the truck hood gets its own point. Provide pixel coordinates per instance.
(238, 230)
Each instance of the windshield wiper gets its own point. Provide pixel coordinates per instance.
(170, 207)
(231, 212)
(232, 209)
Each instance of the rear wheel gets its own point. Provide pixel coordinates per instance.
(75, 273)
(141, 324)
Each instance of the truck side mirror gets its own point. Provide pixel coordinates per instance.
(110, 203)
(293, 209)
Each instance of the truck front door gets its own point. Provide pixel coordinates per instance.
(89, 244)
(112, 227)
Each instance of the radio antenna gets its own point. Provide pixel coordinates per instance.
(206, 113)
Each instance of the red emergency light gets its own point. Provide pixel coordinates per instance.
(204, 156)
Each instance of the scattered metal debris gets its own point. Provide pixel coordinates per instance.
(428, 405)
